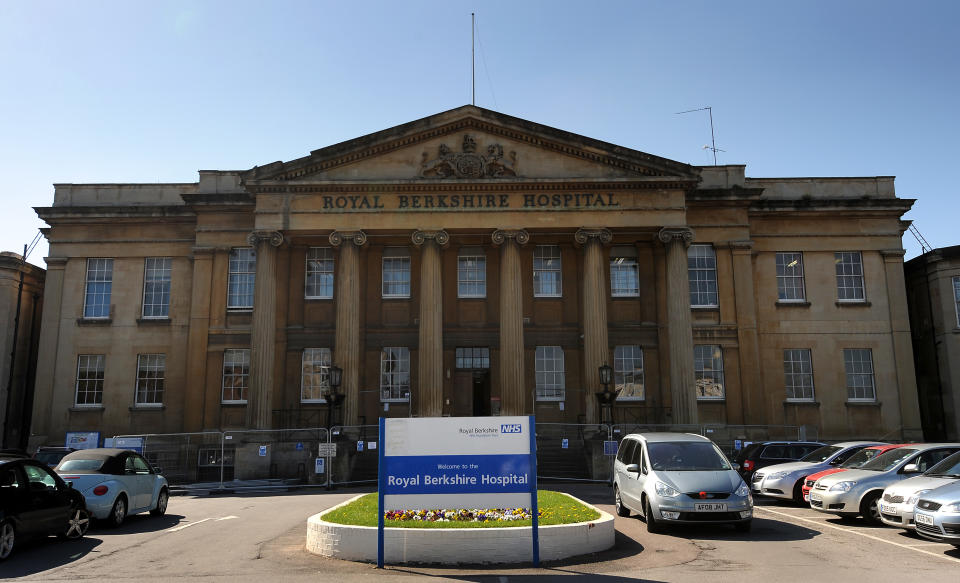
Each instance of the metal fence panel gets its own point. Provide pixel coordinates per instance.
(729, 436)
(183, 458)
(274, 457)
(357, 459)
(572, 451)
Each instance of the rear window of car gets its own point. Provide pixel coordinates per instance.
(948, 468)
(51, 458)
(888, 460)
(80, 465)
(821, 454)
(774, 451)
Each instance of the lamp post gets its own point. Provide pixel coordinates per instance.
(606, 397)
(334, 397)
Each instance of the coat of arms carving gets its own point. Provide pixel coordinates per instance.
(468, 163)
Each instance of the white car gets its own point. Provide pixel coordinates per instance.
(786, 480)
(899, 499)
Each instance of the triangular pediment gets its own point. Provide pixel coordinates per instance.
(473, 144)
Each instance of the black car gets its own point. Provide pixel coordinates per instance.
(767, 453)
(52, 455)
(35, 502)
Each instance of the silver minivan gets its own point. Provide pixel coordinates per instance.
(679, 478)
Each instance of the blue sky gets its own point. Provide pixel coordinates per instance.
(125, 91)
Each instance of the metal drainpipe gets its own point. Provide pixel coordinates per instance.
(26, 413)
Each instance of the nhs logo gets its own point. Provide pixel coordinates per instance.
(511, 428)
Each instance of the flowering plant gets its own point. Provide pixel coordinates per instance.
(461, 515)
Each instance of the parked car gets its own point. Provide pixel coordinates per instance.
(857, 492)
(856, 460)
(679, 478)
(937, 514)
(896, 505)
(51, 455)
(766, 453)
(35, 502)
(116, 483)
(785, 481)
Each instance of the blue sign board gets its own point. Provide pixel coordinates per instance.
(359, 446)
(564, 443)
(737, 444)
(263, 451)
(83, 439)
(299, 446)
(318, 469)
(609, 448)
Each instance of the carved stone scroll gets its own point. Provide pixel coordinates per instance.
(420, 237)
(359, 238)
(502, 235)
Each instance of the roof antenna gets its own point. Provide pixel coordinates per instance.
(713, 142)
(473, 58)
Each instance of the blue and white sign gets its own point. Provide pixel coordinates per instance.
(610, 447)
(318, 468)
(132, 443)
(83, 439)
(737, 444)
(564, 443)
(263, 451)
(299, 446)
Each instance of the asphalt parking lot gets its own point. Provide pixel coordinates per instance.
(260, 536)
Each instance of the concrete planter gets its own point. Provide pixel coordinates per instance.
(457, 545)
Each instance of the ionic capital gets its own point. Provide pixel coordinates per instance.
(501, 236)
(682, 234)
(585, 234)
(420, 237)
(358, 238)
(275, 238)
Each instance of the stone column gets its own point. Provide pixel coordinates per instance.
(263, 332)
(46, 406)
(596, 346)
(347, 335)
(754, 404)
(512, 390)
(198, 332)
(679, 328)
(429, 395)
(903, 362)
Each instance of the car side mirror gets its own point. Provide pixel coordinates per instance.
(736, 466)
(157, 470)
(632, 468)
(38, 487)
(911, 469)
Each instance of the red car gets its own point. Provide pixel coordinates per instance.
(858, 459)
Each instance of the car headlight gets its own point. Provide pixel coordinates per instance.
(666, 491)
(743, 490)
(777, 475)
(842, 486)
(955, 507)
(912, 500)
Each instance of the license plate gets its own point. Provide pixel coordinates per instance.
(806, 497)
(710, 507)
(887, 509)
(816, 497)
(923, 519)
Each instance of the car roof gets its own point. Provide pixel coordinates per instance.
(668, 437)
(98, 453)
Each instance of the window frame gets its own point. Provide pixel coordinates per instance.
(238, 280)
(477, 355)
(839, 262)
(94, 269)
(475, 277)
(98, 381)
(542, 254)
(403, 358)
(557, 357)
(709, 273)
(325, 262)
(244, 376)
(621, 372)
(320, 368)
(956, 299)
(400, 255)
(784, 278)
(871, 375)
(159, 368)
(702, 373)
(792, 374)
(623, 260)
(164, 282)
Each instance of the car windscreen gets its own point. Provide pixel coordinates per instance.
(51, 458)
(686, 456)
(888, 460)
(819, 455)
(948, 468)
(860, 458)
(80, 465)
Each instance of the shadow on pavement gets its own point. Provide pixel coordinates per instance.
(767, 530)
(41, 554)
(546, 574)
(138, 523)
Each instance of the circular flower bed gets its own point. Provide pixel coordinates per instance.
(461, 515)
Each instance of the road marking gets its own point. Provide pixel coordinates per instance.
(226, 518)
(818, 523)
(188, 525)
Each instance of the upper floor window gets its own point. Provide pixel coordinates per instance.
(89, 379)
(96, 299)
(242, 271)
(315, 374)
(395, 373)
(471, 273)
(790, 277)
(396, 272)
(628, 372)
(551, 385)
(156, 287)
(708, 371)
(702, 272)
(151, 368)
(624, 272)
(319, 276)
(798, 374)
(849, 276)
(473, 357)
(546, 272)
(236, 375)
(956, 298)
(858, 363)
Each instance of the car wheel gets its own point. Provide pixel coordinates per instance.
(743, 526)
(870, 508)
(77, 526)
(798, 492)
(653, 525)
(162, 500)
(8, 538)
(119, 511)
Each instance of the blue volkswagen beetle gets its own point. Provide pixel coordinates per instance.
(115, 483)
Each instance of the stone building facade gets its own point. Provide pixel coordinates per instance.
(473, 263)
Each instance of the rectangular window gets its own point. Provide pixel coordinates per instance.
(151, 369)
(708, 371)
(790, 277)
(90, 379)
(319, 276)
(858, 363)
(702, 272)
(956, 298)
(473, 357)
(395, 373)
(551, 385)
(236, 375)
(624, 272)
(798, 374)
(471, 273)
(546, 272)
(628, 373)
(396, 272)
(96, 300)
(242, 271)
(315, 375)
(156, 287)
(849, 276)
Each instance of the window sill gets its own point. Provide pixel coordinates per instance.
(468, 298)
(395, 298)
(403, 401)
(853, 304)
(94, 321)
(239, 310)
(862, 404)
(783, 304)
(147, 408)
(87, 409)
(560, 297)
(158, 321)
(704, 308)
(318, 299)
(711, 400)
(233, 404)
(800, 403)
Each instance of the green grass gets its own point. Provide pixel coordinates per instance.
(555, 507)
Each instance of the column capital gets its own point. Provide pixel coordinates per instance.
(275, 238)
(601, 234)
(358, 238)
(420, 237)
(500, 236)
(668, 234)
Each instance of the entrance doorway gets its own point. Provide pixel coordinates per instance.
(471, 383)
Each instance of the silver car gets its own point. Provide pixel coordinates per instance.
(896, 505)
(786, 480)
(679, 478)
(937, 514)
(856, 492)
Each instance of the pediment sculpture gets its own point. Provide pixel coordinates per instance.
(468, 163)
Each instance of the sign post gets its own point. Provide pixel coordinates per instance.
(457, 462)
